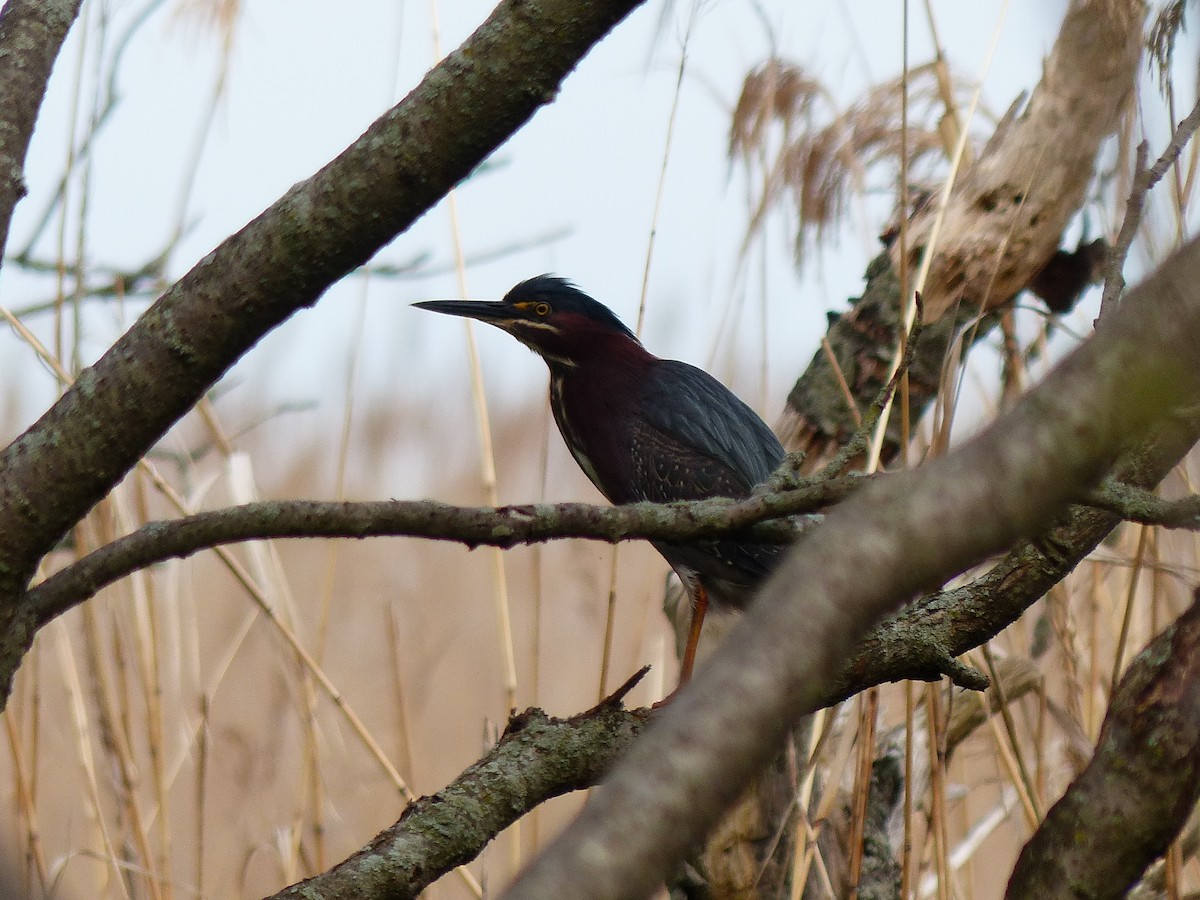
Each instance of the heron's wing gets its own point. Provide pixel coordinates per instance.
(667, 469)
(695, 439)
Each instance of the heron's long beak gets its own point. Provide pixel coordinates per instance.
(496, 312)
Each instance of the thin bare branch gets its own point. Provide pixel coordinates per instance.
(473, 526)
(1140, 505)
(1144, 181)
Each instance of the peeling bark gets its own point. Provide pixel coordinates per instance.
(1007, 213)
(1002, 230)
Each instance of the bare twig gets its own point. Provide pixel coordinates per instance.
(117, 283)
(1139, 505)
(1144, 181)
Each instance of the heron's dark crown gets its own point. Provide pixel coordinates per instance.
(565, 297)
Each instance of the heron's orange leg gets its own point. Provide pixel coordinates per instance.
(699, 609)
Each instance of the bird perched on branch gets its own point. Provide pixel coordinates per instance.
(644, 428)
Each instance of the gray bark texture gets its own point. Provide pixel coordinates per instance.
(31, 34)
(1140, 787)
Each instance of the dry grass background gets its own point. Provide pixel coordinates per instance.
(166, 740)
(168, 725)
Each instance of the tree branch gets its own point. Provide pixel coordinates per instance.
(1139, 788)
(920, 640)
(1001, 228)
(31, 34)
(538, 757)
(871, 553)
(951, 622)
(1144, 181)
(1007, 213)
(471, 525)
(1140, 505)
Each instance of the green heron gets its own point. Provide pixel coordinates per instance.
(644, 428)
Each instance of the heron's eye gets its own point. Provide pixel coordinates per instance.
(542, 309)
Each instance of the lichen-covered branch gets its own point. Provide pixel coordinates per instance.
(1125, 809)
(818, 418)
(1140, 505)
(537, 758)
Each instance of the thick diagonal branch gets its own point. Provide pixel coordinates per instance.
(917, 643)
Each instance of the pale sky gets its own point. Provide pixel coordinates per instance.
(304, 82)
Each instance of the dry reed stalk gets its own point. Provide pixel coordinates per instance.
(26, 803)
(93, 801)
(868, 720)
(939, 808)
(1008, 746)
(1127, 618)
(150, 638)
